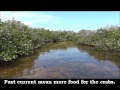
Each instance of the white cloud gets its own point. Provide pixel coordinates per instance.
(57, 22)
(78, 25)
(16, 14)
(28, 23)
(43, 18)
(26, 17)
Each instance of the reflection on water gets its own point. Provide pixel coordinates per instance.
(64, 60)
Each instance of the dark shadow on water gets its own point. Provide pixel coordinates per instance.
(64, 60)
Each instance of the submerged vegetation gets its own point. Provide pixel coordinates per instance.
(18, 39)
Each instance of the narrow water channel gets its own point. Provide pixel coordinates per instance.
(64, 60)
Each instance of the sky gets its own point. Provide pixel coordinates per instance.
(64, 20)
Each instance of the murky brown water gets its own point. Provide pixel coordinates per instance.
(64, 60)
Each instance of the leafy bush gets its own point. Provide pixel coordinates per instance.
(104, 38)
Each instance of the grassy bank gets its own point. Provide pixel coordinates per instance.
(17, 39)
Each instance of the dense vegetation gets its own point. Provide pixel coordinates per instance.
(18, 39)
(104, 38)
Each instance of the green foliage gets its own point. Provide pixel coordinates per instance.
(18, 39)
(104, 38)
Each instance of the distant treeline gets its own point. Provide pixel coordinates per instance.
(17, 39)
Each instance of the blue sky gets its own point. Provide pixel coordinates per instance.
(64, 20)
